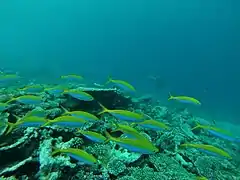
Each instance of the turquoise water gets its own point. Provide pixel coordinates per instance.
(192, 45)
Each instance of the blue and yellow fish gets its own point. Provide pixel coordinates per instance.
(37, 113)
(81, 114)
(57, 90)
(123, 115)
(72, 77)
(80, 95)
(218, 132)
(185, 99)
(93, 136)
(77, 154)
(142, 146)
(27, 99)
(26, 121)
(66, 121)
(209, 149)
(128, 131)
(33, 89)
(153, 125)
(121, 84)
(5, 79)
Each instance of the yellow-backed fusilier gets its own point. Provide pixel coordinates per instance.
(93, 136)
(57, 90)
(67, 121)
(9, 78)
(37, 88)
(209, 149)
(142, 146)
(77, 154)
(81, 114)
(221, 133)
(185, 99)
(123, 115)
(80, 95)
(72, 77)
(153, 125)
(121, 84)
(27, 121)
(27, 99)
(37, 113)
(128, 131)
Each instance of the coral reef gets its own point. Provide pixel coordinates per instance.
(26, 153)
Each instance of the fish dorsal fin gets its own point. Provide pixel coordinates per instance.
(11, 126)
(109, 80)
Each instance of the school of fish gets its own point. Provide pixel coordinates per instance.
(126, 121)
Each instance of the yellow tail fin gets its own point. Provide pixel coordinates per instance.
(17, 117)
(109, 80)
(11, 100)
(197, 126)
(104, 109)
(11, 126)
(170, 96)
(108, 136)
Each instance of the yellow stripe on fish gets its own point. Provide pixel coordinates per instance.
(72, 77)
(121, 84)
(80, 95)
(221, 133)
(81, 114)
(211, 128)
(185, 99)
(142, 146)
(123, 115)
(36, 112)
(5, 78)
(129, 131)
(66, 121)
(33, 88)
(26, 121)
(77, 154)
(27, 99)
(57, 90)
(208, 149)
(153, 124)
(93, 136)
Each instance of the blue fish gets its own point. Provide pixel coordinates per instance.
(142, 145)
(78, 155)
(220, 133)
(67, 121)
(93, 136)
(27, 99)
(80, 95)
